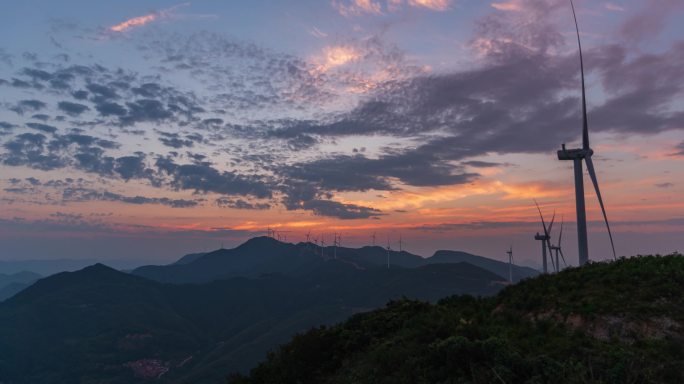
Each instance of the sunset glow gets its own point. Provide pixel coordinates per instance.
(197, 124)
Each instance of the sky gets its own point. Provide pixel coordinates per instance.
(144, 130)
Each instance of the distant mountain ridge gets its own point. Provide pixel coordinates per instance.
(105, 326)
(262, 255)
(10, 284)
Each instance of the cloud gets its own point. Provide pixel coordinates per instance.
(145, 19)
(338, 210)
(614, 7)
(356, 7)
(28, 105)
(224, 202)
(173, 140)
(336, 56)
(514, 5)
(85, 194)
(72, 109)
(204, 178)
(42, 127)
(6, 128)
(648, 22)
(29, 149)
(679, 149)
(435, 5)
(664, 185)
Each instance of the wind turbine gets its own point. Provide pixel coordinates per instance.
(388, 251)
(400, 244)
(335, 244)
(323, 246)
(510, 264)
(577, 155)
(557, 249)
(545, 238)
(308, 235)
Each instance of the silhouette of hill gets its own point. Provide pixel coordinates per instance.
(498, 267)
(257, 256)
(263, 255)
(189, 258)
(11, 284)
(615, 322)
(101, 325)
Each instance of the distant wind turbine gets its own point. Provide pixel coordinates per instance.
(389, 248)
(322, 245)
(545, 238)
(401, 243)
(373, 238)
(577, 155)
(510, 264)
(557, 248)
(335, 244)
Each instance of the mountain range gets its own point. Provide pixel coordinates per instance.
(223, 312)
(267, 255)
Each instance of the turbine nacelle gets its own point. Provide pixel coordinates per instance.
(574, 154)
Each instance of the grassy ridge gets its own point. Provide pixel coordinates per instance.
(618, 322)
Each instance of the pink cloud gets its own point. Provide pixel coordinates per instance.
(513, 5)
(145, 19)
(357, 7)
(614, 7)
(435, 5)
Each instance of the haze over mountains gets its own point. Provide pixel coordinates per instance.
(223, 312)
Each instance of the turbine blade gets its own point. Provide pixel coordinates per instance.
(563, 257)
(585, 124)
(542, 218)
(592, 174)
(553, 218)
(560, 236)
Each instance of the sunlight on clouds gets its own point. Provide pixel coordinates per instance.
(336, 56)
(435, 5)
(146, 19)
(513, 5)
(134, 22)
(357, 7)
(417, 198)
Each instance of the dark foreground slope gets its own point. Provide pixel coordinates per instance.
(99, 325)
(620, 322)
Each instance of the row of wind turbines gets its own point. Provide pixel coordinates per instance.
(576, 155)
(337, 241)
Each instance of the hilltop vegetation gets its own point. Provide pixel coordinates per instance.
(618, 322)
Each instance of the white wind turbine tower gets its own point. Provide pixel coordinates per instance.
(577, 155)
(401, 243)
(510, 264)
